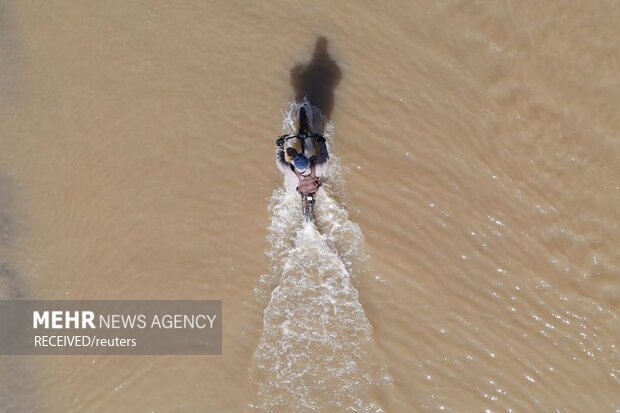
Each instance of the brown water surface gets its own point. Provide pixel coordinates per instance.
(465, 257)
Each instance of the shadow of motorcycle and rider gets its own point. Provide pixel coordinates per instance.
(316, 81)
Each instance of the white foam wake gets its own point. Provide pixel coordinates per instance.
(314, 353)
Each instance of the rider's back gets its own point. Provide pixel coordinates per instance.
(291, 180)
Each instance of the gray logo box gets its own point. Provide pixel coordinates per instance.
(123, 327)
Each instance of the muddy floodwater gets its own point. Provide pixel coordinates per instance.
(467, 239)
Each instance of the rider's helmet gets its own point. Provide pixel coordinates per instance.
(300, 162)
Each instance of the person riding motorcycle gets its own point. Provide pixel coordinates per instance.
(302, 174)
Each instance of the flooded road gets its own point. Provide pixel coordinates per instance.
(465, 255)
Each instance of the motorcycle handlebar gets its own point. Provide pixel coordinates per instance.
(313, 136)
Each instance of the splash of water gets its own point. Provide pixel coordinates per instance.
(314, 353)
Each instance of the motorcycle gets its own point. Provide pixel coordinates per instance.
(303, 134)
